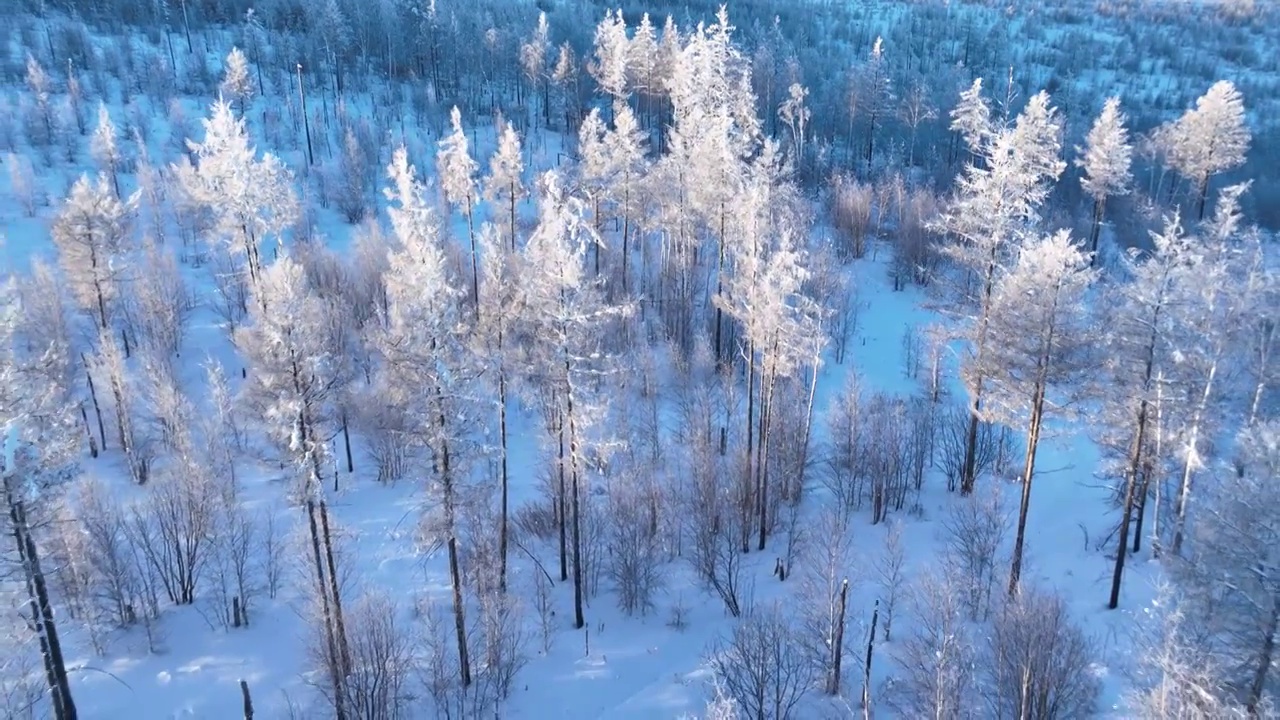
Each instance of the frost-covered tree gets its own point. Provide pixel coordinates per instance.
(611, 46)
(1207, 140)
(504, 183)
(1207, 329)
(237, 85)
(91, 232)
(348, 179)
(971, 118)
(1039, 345)
(1235, 563)
(42, 121)
(996, 208)
(568, 318)
(781, 325)
(292, 378)
(457, 173)
(36, 457)
(1106, 160)
(875, 94)
(425, 362)
(1139, 318)
(795, 115)
(250, 199)
(535, 56)
(104, 146)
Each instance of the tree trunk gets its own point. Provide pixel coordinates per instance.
(455, 574)
(339, 624)
(837, 650)
(866, 678)
(574, 471)
(502, 438)
(475, 263)
(331, 646)
(97, 408)
(1265, 657)
(247, 700)
(42, 616)
(1028, 473)
(346, 439)
(562, 505)
(1095, 231)
(1126, 510)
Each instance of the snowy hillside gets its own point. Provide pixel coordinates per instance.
(452, 360)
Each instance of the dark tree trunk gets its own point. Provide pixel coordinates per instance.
(42, 615)
(837, 651)
(1028, 473)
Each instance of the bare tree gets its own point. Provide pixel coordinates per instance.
(1040, 664)
(936, 660)
(974, 533)
(382, 660)
(763, 666)
(633, 544)
(824, 593)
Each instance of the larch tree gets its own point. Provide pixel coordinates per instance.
(250, 199)
(781, 325)
(37, 444)
(995, 208)
(457, 172)
(609, 68)
(104, 147)
(504, 184)
(426, 362)
(1234, 568)
(495, 336)
(1039, 345)
(1207, 140)
(1106, 160)
(293, 382)
(875, 96)
(971, 118)
(535, 56)
(625, 146)
(1138, 316)
(569, 319)
(1207, 328)
(92, 232)
(237, 85)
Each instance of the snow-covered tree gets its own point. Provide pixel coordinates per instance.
(971, 117)
(426, 363)
(611, 56)
(292, 378)
(91, 232)
(457, 173)
(348, 179)
(1208, 139)
(1106, 160)
(795, 115)
(875, 94)
(1040, 340)
(237, 85)
(104, 146)
(504, 183)
(535, 56)
(568, 318)
(1207, 327)
(781, 325)
(36, 457)
(1235, 564)
(250, 199)
(996, 207)
(1139, 320)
